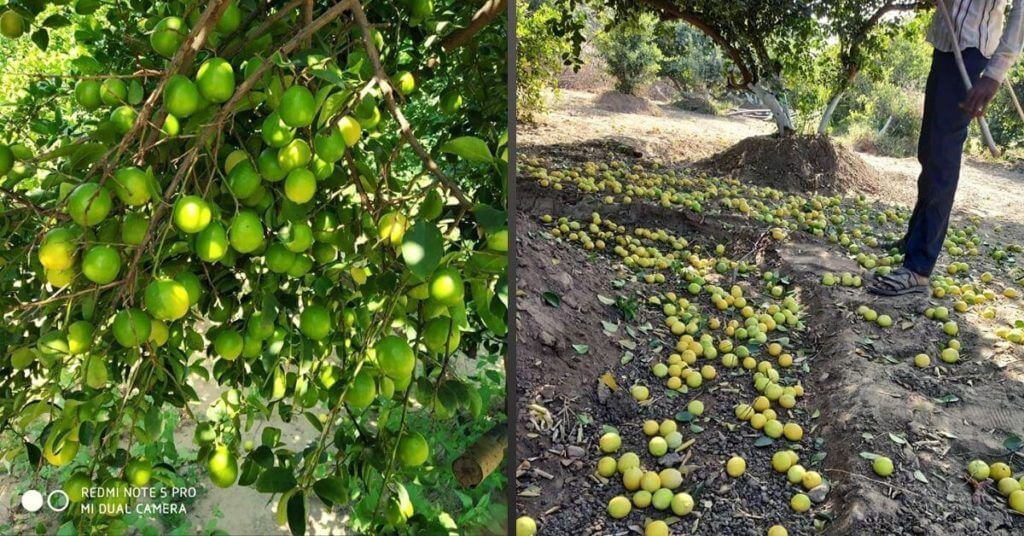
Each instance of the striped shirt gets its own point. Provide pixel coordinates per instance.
(985, 25)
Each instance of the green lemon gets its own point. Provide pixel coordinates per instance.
(133, 228)
(300, 186)
(405, 82)
(87, 94)
(80, 336)
(101, 264)
(166, 299)
(391, 228)
(12, 25)
(89, 204)
(181, 97)
(268, 167)
(230, 20)
(243, 180)
(294, 155)
(279, 258)
(446, 286)
(158, 332)
(451, 102)
(246, 232)
(60, 278)
(138, 472)
(131, 327)
(422, 8)
(275, 132)
(132, 186)
(191, 214)
(168, 35)
(223, 467)
(395, 357)
(297, 107)
(315, 322)
(216, 80)
(171, 126)
(76, 487)
(123, 118)
(413, 449)
(228, 344)
(59, 450)
(212, 242)
(362, 391)
(113, 91)
(440, 336)
(350, 130)
(297, 236)
(330, 146)
(192, 285)
(57, 251)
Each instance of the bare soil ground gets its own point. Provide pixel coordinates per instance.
(864, 396)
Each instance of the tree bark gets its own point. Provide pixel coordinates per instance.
(826, 118)
(490, 10)
(481, 458)
(783, 121)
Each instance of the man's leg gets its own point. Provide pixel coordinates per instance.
(947, 131)
(923, 150)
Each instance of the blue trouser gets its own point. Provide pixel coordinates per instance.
(939, 150)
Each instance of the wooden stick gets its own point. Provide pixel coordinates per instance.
(482, 458)
(967, 79)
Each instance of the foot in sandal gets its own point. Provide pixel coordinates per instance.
(901, 281)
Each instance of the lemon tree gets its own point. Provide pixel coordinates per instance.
(302, 202)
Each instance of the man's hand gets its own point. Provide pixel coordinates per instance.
(979, 96)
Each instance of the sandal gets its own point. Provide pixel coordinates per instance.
(898, 283)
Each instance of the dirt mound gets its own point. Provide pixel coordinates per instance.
(613, 101)
(795, 163)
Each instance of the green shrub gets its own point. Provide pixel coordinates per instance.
(540, 52)
(689, 58)
(630, 53)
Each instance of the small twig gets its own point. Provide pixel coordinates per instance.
(387, 90)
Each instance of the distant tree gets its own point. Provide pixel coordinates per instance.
(862, 28)
(691, 61)
(630, 53)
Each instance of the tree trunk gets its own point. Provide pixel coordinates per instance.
(885, 127)
(826, 118)
(780, 114)
(482, 458)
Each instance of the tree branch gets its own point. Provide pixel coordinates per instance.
(490, 10)
(387, 90)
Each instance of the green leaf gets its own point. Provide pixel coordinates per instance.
(684, 416)
(763, 441)
(470, 148)
(135, 92)
(41, 38)
(605, 300)
(490, 218)
(332, 489)
(276, 480)
(297, 514)
(551, 298)
(581, 348)
(696, 428)
(86, 7)
(422, 248)
(868, 456)
(1013, 443)
(920, 476)
(56, 21)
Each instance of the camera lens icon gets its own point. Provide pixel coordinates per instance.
(57, 500)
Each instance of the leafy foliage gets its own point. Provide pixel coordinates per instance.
(214, 191)
(630, 53)
(541, 53)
